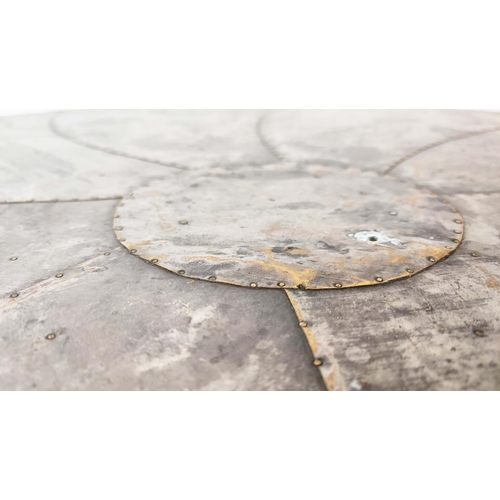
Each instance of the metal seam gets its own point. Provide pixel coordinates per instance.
(330, 372)
(20, 297)
(53, 127)
(433, 145)
(31, 202)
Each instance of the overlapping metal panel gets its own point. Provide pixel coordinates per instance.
(311, 203)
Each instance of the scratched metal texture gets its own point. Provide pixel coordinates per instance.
(439, 330)
(39, 240)
(278, 226)
(366, 139)
(116, 322)
(123, 324)
(184, 139)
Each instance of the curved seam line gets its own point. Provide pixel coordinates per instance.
(298, 316)
(62, 135)
(466, 135)
(263, 140)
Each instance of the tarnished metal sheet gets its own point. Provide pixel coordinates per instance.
(441, 330)
(193, 139)
(470, 165)
(371, 139)
(40, 240)
(111, 321)
(280, 226)
(38, 164)
(77, 311)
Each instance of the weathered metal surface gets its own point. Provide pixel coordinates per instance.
(98, 318)
(185, 139)
(439, 330)
(38, 164)
(39, 240)
(79, 312)
(367, 139)
(278, 226)
(470, 165)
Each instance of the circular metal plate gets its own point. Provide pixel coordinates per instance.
(279, 226)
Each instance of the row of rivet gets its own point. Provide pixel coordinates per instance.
(15, 295)
(58, 275)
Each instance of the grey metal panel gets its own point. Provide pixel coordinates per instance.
(39, 240)
(372, 139)
(193, 139)
(115, 322)
(437, 330)
(279, 226)
(470, 165)
(36, 164)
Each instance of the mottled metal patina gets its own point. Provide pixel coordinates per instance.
(353, 206)
(280, 226)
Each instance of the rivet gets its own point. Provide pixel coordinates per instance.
(14, 295)
(133, 250)
(118, 228)
(13, 258)
(302, 323)
(301, 287)
(457, 221)
(51, 336)
(281, 283)
(117, 216)
(107, 253)
(448, 248)
(253, 285)
(479, 333)
(410, 270)
(181, 271)
(212, 278)
(431, 259)
(453, 211)
(456, 241)
(183, 222)
(317, 362)
(123, 239)
(393, 213)
(475, 254)
(154, 261)
(59, 275)
(379, 279)
(457, 231)
(337, 285)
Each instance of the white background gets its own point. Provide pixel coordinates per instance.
(272, 54)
